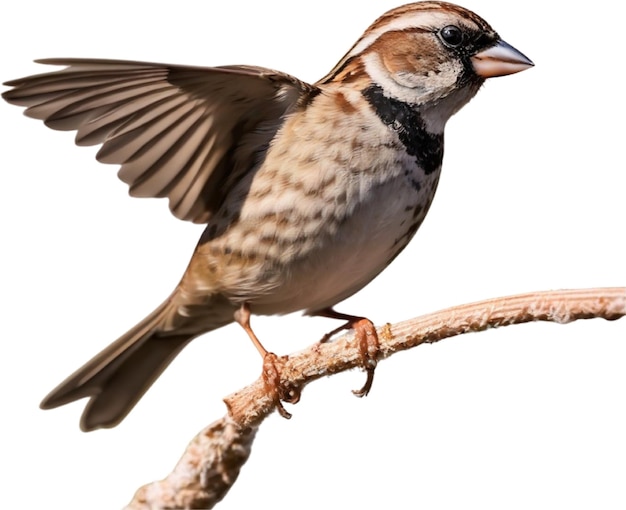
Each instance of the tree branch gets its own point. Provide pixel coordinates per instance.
(211, 463)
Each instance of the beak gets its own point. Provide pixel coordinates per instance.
(500, 60)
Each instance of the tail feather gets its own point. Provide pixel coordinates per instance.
(117, 377)
(129, 380)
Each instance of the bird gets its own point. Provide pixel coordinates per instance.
(307, 191)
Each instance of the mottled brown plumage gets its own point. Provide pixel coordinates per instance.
(308, 191)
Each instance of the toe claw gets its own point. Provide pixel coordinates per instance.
(282, 411)
(368, 384)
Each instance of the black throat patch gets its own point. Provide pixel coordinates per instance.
(408, 123)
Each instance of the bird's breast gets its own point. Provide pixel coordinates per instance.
(327, 211)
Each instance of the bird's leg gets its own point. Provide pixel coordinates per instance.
(367, 340)
(242, 317)
(271, 364)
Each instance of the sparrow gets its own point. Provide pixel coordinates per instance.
(308, 191)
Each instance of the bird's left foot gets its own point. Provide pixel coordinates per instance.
(367, 340)
(272, 367)
(280, 392)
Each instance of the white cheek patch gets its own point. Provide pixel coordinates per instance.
(401, 88)
(413, 88)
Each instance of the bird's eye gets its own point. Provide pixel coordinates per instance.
(451, 35)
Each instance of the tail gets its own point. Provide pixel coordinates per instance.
(117, 377)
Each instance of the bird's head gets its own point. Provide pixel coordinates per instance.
(428, 54)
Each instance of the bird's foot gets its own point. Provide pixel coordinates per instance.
(279, 391)
(367, 340)
(273, 366)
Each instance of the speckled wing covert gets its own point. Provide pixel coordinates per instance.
(185, 133)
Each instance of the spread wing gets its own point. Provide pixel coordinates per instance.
(185, 133)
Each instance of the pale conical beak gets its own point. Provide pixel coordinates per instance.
(500, 60)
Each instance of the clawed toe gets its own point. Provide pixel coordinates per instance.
(281, 391)
(367, 340)
(278, 390)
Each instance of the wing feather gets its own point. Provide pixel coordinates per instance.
(102, 125)
(179, 132)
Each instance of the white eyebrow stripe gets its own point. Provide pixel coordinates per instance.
(419, 19)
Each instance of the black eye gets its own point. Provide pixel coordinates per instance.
(451, 35)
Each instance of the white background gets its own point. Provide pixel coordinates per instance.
(531, 198)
